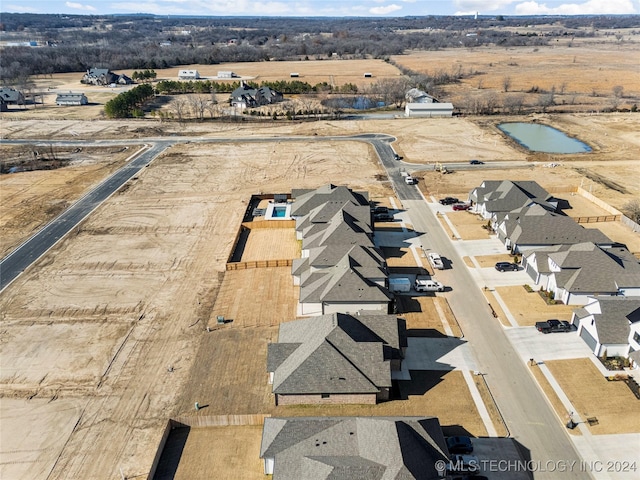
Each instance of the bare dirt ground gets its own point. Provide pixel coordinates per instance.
(101, 318)
(611, 402)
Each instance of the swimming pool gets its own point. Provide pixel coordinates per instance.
(278, 211)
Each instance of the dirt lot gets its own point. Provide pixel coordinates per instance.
(592, 395)
(142, 276)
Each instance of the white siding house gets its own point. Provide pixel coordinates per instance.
(188, 75)
(428, 110)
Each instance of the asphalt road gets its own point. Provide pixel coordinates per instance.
(530, 419)
(22, 257)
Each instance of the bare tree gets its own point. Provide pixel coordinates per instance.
(179, 106)
(618, 91)
(547, 99)
(632, 210)
(506, 84)
(198, 104)
(513, 103)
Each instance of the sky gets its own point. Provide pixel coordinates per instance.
(332, 8)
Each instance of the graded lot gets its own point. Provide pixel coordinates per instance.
(109, 327)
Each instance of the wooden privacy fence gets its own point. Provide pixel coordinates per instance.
(598, 218)
(259, 264)
(219, 420)
(270, 224)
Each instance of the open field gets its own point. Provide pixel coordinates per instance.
(592, 395)
(91, 330)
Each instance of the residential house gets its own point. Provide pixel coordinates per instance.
(573, 273)
(71, 99)
(11, 96)
(495, 198)
(246, 96)
(344, 287)
(534, 227)
(319, 217)
(307, 200)
(610, 326)
(416, 95)
(104, 77)
(336, 359)
(348, 448)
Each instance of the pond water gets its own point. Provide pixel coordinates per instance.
(542, 138)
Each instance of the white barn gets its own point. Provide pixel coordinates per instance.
(226, 74)
(428, 110)
(188, 75)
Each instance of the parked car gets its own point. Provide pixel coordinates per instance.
(436, 261)
(459, 444)
(428, 286)
(506, 267)
(397, 157)
(379, 209)
(553, 326)
(461, 206)
(476, 162)
(409, 180)
(449, 201)
(383, 217)
(463, 464)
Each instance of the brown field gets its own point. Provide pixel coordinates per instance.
(592, 395)
(105, 338)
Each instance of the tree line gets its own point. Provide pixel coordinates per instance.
(129, 103)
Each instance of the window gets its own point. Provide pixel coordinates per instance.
(636, 337)
(325, 395)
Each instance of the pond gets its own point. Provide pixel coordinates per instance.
(542, 138)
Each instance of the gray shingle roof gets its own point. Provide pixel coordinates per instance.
(335, 353)
(308, 200)
(352, 448)
(586, 268)
(552, 229)
(613, 323)
(506, 195)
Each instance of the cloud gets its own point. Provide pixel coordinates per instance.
(591, 7)
(20, 9)
(385, 10)
(79, 6)
(481, 6)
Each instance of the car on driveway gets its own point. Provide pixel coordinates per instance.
(380, 209)
(461, 206)
(459, 444)
(476, 162)
(383, 217)
(554, 326)
(507, 267)
(397, 157)
(428, 285)
(449, 201)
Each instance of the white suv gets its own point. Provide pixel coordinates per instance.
(428, 286)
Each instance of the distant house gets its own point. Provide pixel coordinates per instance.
(247, 97)
(494, 199)
(349, 448)
(71, 99)
(336, 358)
(227, 74)
(188, 75)
(3, 105)
(428, 110)
(11, 96)
(104, 77)
(610, 326)
(576, 272)
(416, 95)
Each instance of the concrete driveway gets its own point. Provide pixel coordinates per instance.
(448, 353)
(529, 343)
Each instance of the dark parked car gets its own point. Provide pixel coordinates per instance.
(380, 209)
(506, 267)
(397, 157)
(461, 206)
(476, 162)
(383, 217)
(553, 326)
(449, 201)
(459, 444)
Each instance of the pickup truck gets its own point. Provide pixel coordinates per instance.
(435, 260)
(409, 180)
(554, 326)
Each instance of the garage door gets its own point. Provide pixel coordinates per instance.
(588, 339)
(532, 272)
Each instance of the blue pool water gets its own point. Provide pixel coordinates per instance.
(542, 138)
(279, 212)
